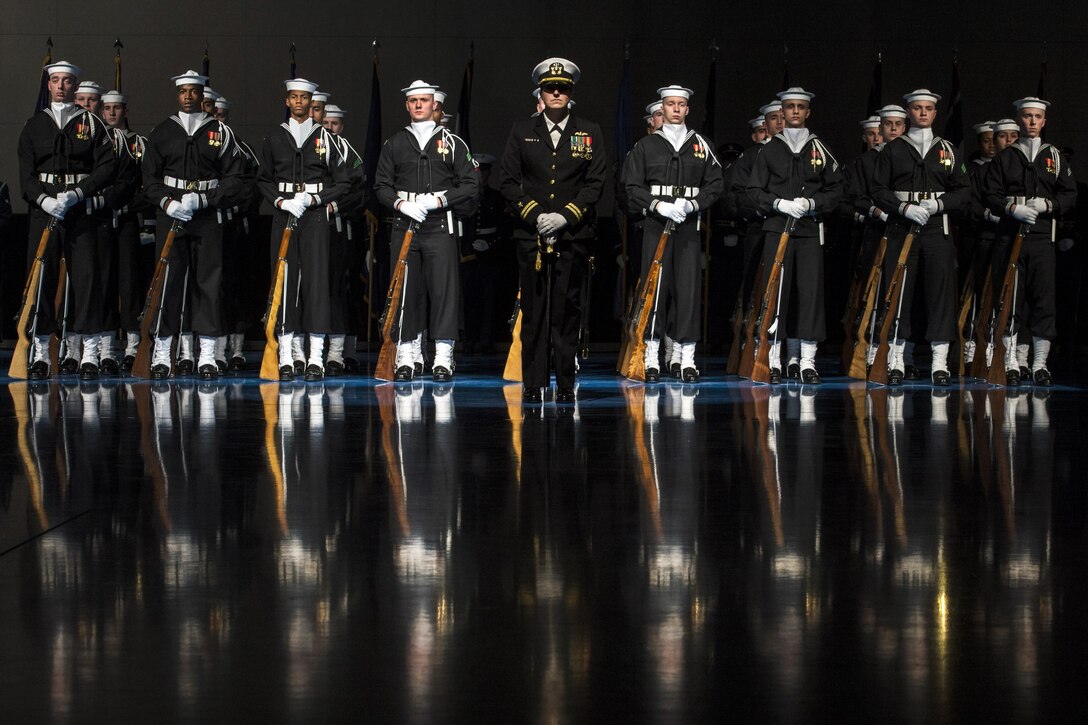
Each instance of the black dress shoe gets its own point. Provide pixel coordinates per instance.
(160, 372)
(184, 367)
(775, 376)
(1012, 378)
(531, 395)
(221, 366)
(69, 366)
(941, 378)
(809, 376)
(689, 375)
(314, 373)
(675, 371)
(418, 367)
(793, 371)
(351, 365)
(299, 367)
(564, 395)
(237, 364)
(895, 376)
(287, 373)
(404, 374)
(441, 374)
(109, 367)
(1025, 373)
(1042, 378)
(653, 375)
(127, 363)
(912, 373)
(209, 372)
(39, 370)
(334, 369)
(88, 371)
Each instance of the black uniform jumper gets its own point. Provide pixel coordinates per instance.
(111, 205)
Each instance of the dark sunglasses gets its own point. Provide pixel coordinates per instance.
(563, 88)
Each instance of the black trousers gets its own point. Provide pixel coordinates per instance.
(236, 249)
(132, 279)
(77, 236)
(801, 306)
(197, 252)
(550, 335)
(433, 294)
(931, 263)
(752, 254)
(680, 295)
(306, 301)
(339, 277)
(109, 260)
(1036, 309)
(360, 278)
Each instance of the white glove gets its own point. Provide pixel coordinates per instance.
(1024, 213)
(731, 240)
(294, 207)
(684, 205)
(191, 201)
(1064, 245)
(175, 210)
(480, 245)
(147, 238)
(883, 216)
(989, 216)
(917, 214)
(1037, 204)
(412, 210)
(930, 205)
(669, 210)
(305, 199)
(807, 205)
(54, 207)
(789, 208)
(429, 202)
(549, 223)
(68, 198)
(550, 240)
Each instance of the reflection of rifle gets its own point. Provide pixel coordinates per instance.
(768, 311)
(894, 295)
(1006, 303)
(743, 324)
(861, 330)
(27, 322)
(394, 308)
(587, 296)
(512, 371)
(645, 314)
(153, 305)
(270, 368)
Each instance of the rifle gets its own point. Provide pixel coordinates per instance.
(26, 324)
(394, 308)
(744, 328)
(512, 371)
(587, 297)
(983, 309)
(634, 367)
(270, 361)
(878, 373)
(861, 332)
(625, 323)
(768, 310)
(1005, 311)
(153, 305)
(58, 343)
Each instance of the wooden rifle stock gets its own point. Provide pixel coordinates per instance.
(996, 374)
(634, 367)
(270, 361)
(861, 331)
(27, 322)
(512, 371)
(984, 307)
(626, 323)
(383, 370)
(153, 304)
(878, 373)
(743, 365)
(768, 311)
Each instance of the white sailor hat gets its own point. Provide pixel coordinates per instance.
(757, 121)
(223, 103)
(921, 94)
(1006, 124)
(334, 111)
(300, 84)
(446, 118)
(211, 95)
(484, 159)
(1031, 102)
(984, 127)
(89, 87)
(440, 96)
(114, 97)
(62, 66)
(190, 78)
(892, 111)
(320, 96)
(420, 88)
(556, 70)
(654, 107)
(675, 91)
(871, 122)
(770, 108)
(795, 93)
(647, 120)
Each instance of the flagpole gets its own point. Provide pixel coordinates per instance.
(117, 45)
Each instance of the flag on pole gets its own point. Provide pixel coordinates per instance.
(711, 94)
(43, 87)
(291, 74)
(373, 146)
(464, 101)
(117, 45)
(876, 89)
(206, 69)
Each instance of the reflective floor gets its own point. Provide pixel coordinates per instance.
(239, 552)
